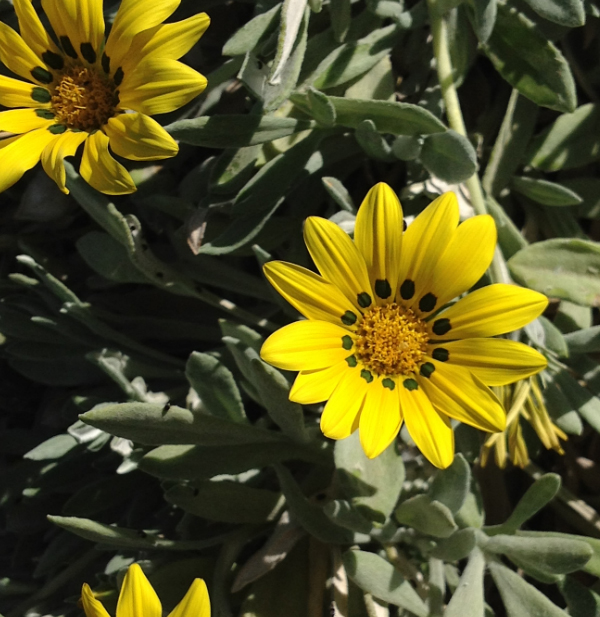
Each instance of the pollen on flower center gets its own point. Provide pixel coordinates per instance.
(391, 340)
(83, 99)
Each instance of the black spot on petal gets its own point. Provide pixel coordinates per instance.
(349, 318)
(42, 75)
(382, 288)
(347, 342)
(88, 52)
(105, 63)
(427, 369)
(366, 375)
(407, 289)
(388, 383)
(364, 299)
(427, 303)
(118, 78)
(65, 43)
(40, 95)
(441, 354)
(410, 384)
(57, 129)
(441, 326)
(54, 61)
(352, 361)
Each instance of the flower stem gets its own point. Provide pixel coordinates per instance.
(441, 50)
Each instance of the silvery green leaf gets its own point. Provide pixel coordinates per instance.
(570, 13)
(484, 17)
(427, 516)
(374, 145)
(545, 192)
(468, 599)
(292, 15)
(251, 33)
(457, 546)
(584, 341)
(451, 486)
(339, 193)
(449, 156)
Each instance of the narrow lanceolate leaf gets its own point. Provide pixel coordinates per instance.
(584, 341)
(560, 268)
(468, 600)
(570, 13)
(379, 578)
(449, 156)
(573, 140)
(484, 18)
(249, 35)
(235, 131)
(529, 62)
(545, 192)
(292, 15)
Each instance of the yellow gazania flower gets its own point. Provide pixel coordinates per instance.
(138, 599)
(83, 89)
(375, 344)
(523, 400)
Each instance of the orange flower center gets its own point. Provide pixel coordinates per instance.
(391, 340)
(83, 99)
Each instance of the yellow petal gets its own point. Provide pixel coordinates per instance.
(137, 597)
(55, 152)
(139, 138)
(312, 387)
(378, 236)
(91, 606)
(167, 40)
(22, 121)
(16, 54)
(310, 294)
(100, 170)
(306, 346)
(341, 414)
(159, 86)
(456, 392)
(195, 603)
(81, 22)
(430, 430)
(133, 17)
(17, 93)
(21, 154)
(338, 260)
(423, 244)
(465, 259)
(32, 30)
(495, 361)
(489, 311)
(380, 417)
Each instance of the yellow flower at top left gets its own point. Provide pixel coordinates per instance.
(84, 88)
(138, 599)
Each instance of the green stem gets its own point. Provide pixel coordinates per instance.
(441, 50)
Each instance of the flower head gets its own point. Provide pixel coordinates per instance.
(84, 88)
(379, 343)
(138, 599)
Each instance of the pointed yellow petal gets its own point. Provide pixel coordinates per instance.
(312, 387)
(17, 56)
(423, 244)
(81, 22)
(159, 86)
(133, 17)
(21, 121)
(489, 311)
(380, 417)
(495, 361)
(54, 155)
(167, 40)
(341, 414)
(100, 170)
(338, 260)
(310, 294)
(195, 603)
(430, 430)
(457, 393)
(307, 345)
(17, 93)
(378, 236)
(137, 597)
(139, 138)
(465, 259)
(32, 30)
(91, 606)
(21, 154)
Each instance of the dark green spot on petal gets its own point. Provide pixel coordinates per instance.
(366, 375)
(441, 326)
(42, 75)
(65, 43)
(57, 129)
(382, 288)
(349, 318)
(347, 342)
(352, 362)
(118, 78)
(410, 384)
(407, 289)
(388, 383)
(441, 354)
(427, 303)
(54, 61)
(40, 95)
(364, 299)
(105, 63)
(427, 369)
(88, 52)
(44, 113)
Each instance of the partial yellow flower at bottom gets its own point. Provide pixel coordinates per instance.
(81, 88)
(138, 599)
(379, 343)
(523, 400)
